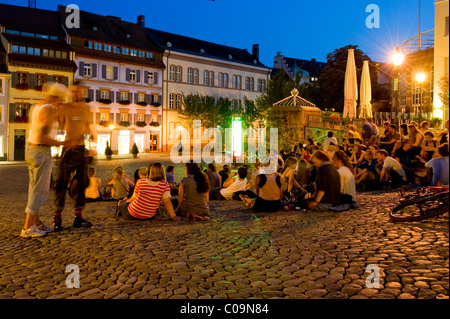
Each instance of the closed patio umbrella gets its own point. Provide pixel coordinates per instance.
(365, 93)
(350, 86)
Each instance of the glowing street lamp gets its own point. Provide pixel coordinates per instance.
(420, 78)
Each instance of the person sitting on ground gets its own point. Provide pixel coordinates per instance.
(231, 185)
(148, 195)
(250, 188)
(269, 191)
(346, 147)
(373, 149)
(213, 176)
(345, 169)
(416, 137)
(424, 127)
(193, 194)
(93, 191)
(376, 133)
(171, 180)
(391, 171)
(366, 173)
(443, 137)
(120, 184)
(357, 155)
(440, 166)
(224, 173)
(429, 144)
(328, 183)
(393, 137)
(404, 135)
(386, 133)
(406, 158)
(367, 132)
(353, 129)
(303, 171)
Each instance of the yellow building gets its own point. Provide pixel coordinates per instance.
(36, 53)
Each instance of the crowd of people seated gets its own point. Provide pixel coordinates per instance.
(310, 176)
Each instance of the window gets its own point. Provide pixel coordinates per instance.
(211, 78)
(189, 75)
(141, 97)
(87, 69)
(416, 97)
(40, 80)
(22, 112)
(133, 52)
(150, 78)
(104, 117)
(261, 85)
(446, 27)
(172, 101)
(58, 79)
(104, 94)
(195, 76)
(124, 96)
(205, 77)
(225, 80)
(247, 83)
(98, 46)
(155, 98)
(236, 82)
(109, 72)
(140, 117)
(22, 78)
(125, 51)
(220, 78)
(133, 75)
(107, 47)
(123, 117)
(178, 75)
(116, 49)
(172, 73)
(88, 44)
(178, 102)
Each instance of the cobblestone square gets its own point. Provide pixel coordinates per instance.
(237, 254)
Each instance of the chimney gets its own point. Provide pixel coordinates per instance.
(141, 20)
(313, 60)
(255, 51)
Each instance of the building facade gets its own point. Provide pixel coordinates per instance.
(441, 54)
(199, 67)
(35, 53)
(121, 71)
(309, 70)
(4, 89)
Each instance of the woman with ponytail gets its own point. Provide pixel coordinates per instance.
(193, 193)
(345, 169)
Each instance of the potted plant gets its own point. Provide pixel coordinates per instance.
(141, 123)
(108, 151)
(134, 150)
(124, 123)
(154, 124)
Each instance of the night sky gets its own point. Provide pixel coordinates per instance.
(301, 29)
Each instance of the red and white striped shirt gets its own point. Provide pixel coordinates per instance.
(149, 196)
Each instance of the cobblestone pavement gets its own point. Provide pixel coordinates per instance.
(236, 254)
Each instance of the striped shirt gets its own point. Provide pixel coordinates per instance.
(149, 196)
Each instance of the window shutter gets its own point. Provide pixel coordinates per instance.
(33, 80)
(134, 119)
(160, 99)
(94, 70)
(116, 73)
(50, 78)
(130, 97)
(103, 71)
(128, 75)
(97, 118)
(148, 118)
(66, 81)
(81, 68)
(159, 119)
(14, 80)
(111, 96)
(12, 112)
(91, 95)
(135, 98)
(97, 95)
(155, 77)
(138, 76)
(148, 98)
(118, 96)
(146, 77)
(117, 118)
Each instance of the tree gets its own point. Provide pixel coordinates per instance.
(332, 78)
(443, 92)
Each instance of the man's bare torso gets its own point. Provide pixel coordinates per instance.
(75, 120)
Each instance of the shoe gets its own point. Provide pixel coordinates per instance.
(46, 229)
(32, 232)
(57, 223)
(81, 222)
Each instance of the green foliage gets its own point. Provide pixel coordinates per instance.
(443, 92)
(134, 149)
(108, 150)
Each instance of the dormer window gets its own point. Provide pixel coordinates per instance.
(128, 35)
(169, 45)
(94, 28)
(202, 51)
(230, 56)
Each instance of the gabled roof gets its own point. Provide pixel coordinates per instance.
(39, 42)
(109, 29)
(313, 67)
(30, 20)
(184, 44)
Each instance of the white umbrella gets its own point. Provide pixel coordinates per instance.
(365, 93)
(350, 86)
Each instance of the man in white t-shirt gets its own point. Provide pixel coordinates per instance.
(232, 185)
(330, 139)
(392, 170)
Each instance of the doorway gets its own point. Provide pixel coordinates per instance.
(19, 145)
(154, 142)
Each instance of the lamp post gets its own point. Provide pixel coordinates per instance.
(420, 77)
(397, 59)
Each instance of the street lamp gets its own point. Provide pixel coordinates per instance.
(397, 59)
(420, 78)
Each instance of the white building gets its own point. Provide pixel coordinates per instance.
(121, 71)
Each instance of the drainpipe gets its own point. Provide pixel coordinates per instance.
(166, 101)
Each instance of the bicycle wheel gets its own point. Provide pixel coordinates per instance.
(420, 209)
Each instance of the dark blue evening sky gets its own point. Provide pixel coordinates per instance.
(301, 29)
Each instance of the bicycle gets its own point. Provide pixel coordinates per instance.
(428, 202)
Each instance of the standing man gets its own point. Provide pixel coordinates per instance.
(74, 119)
(44, 124)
